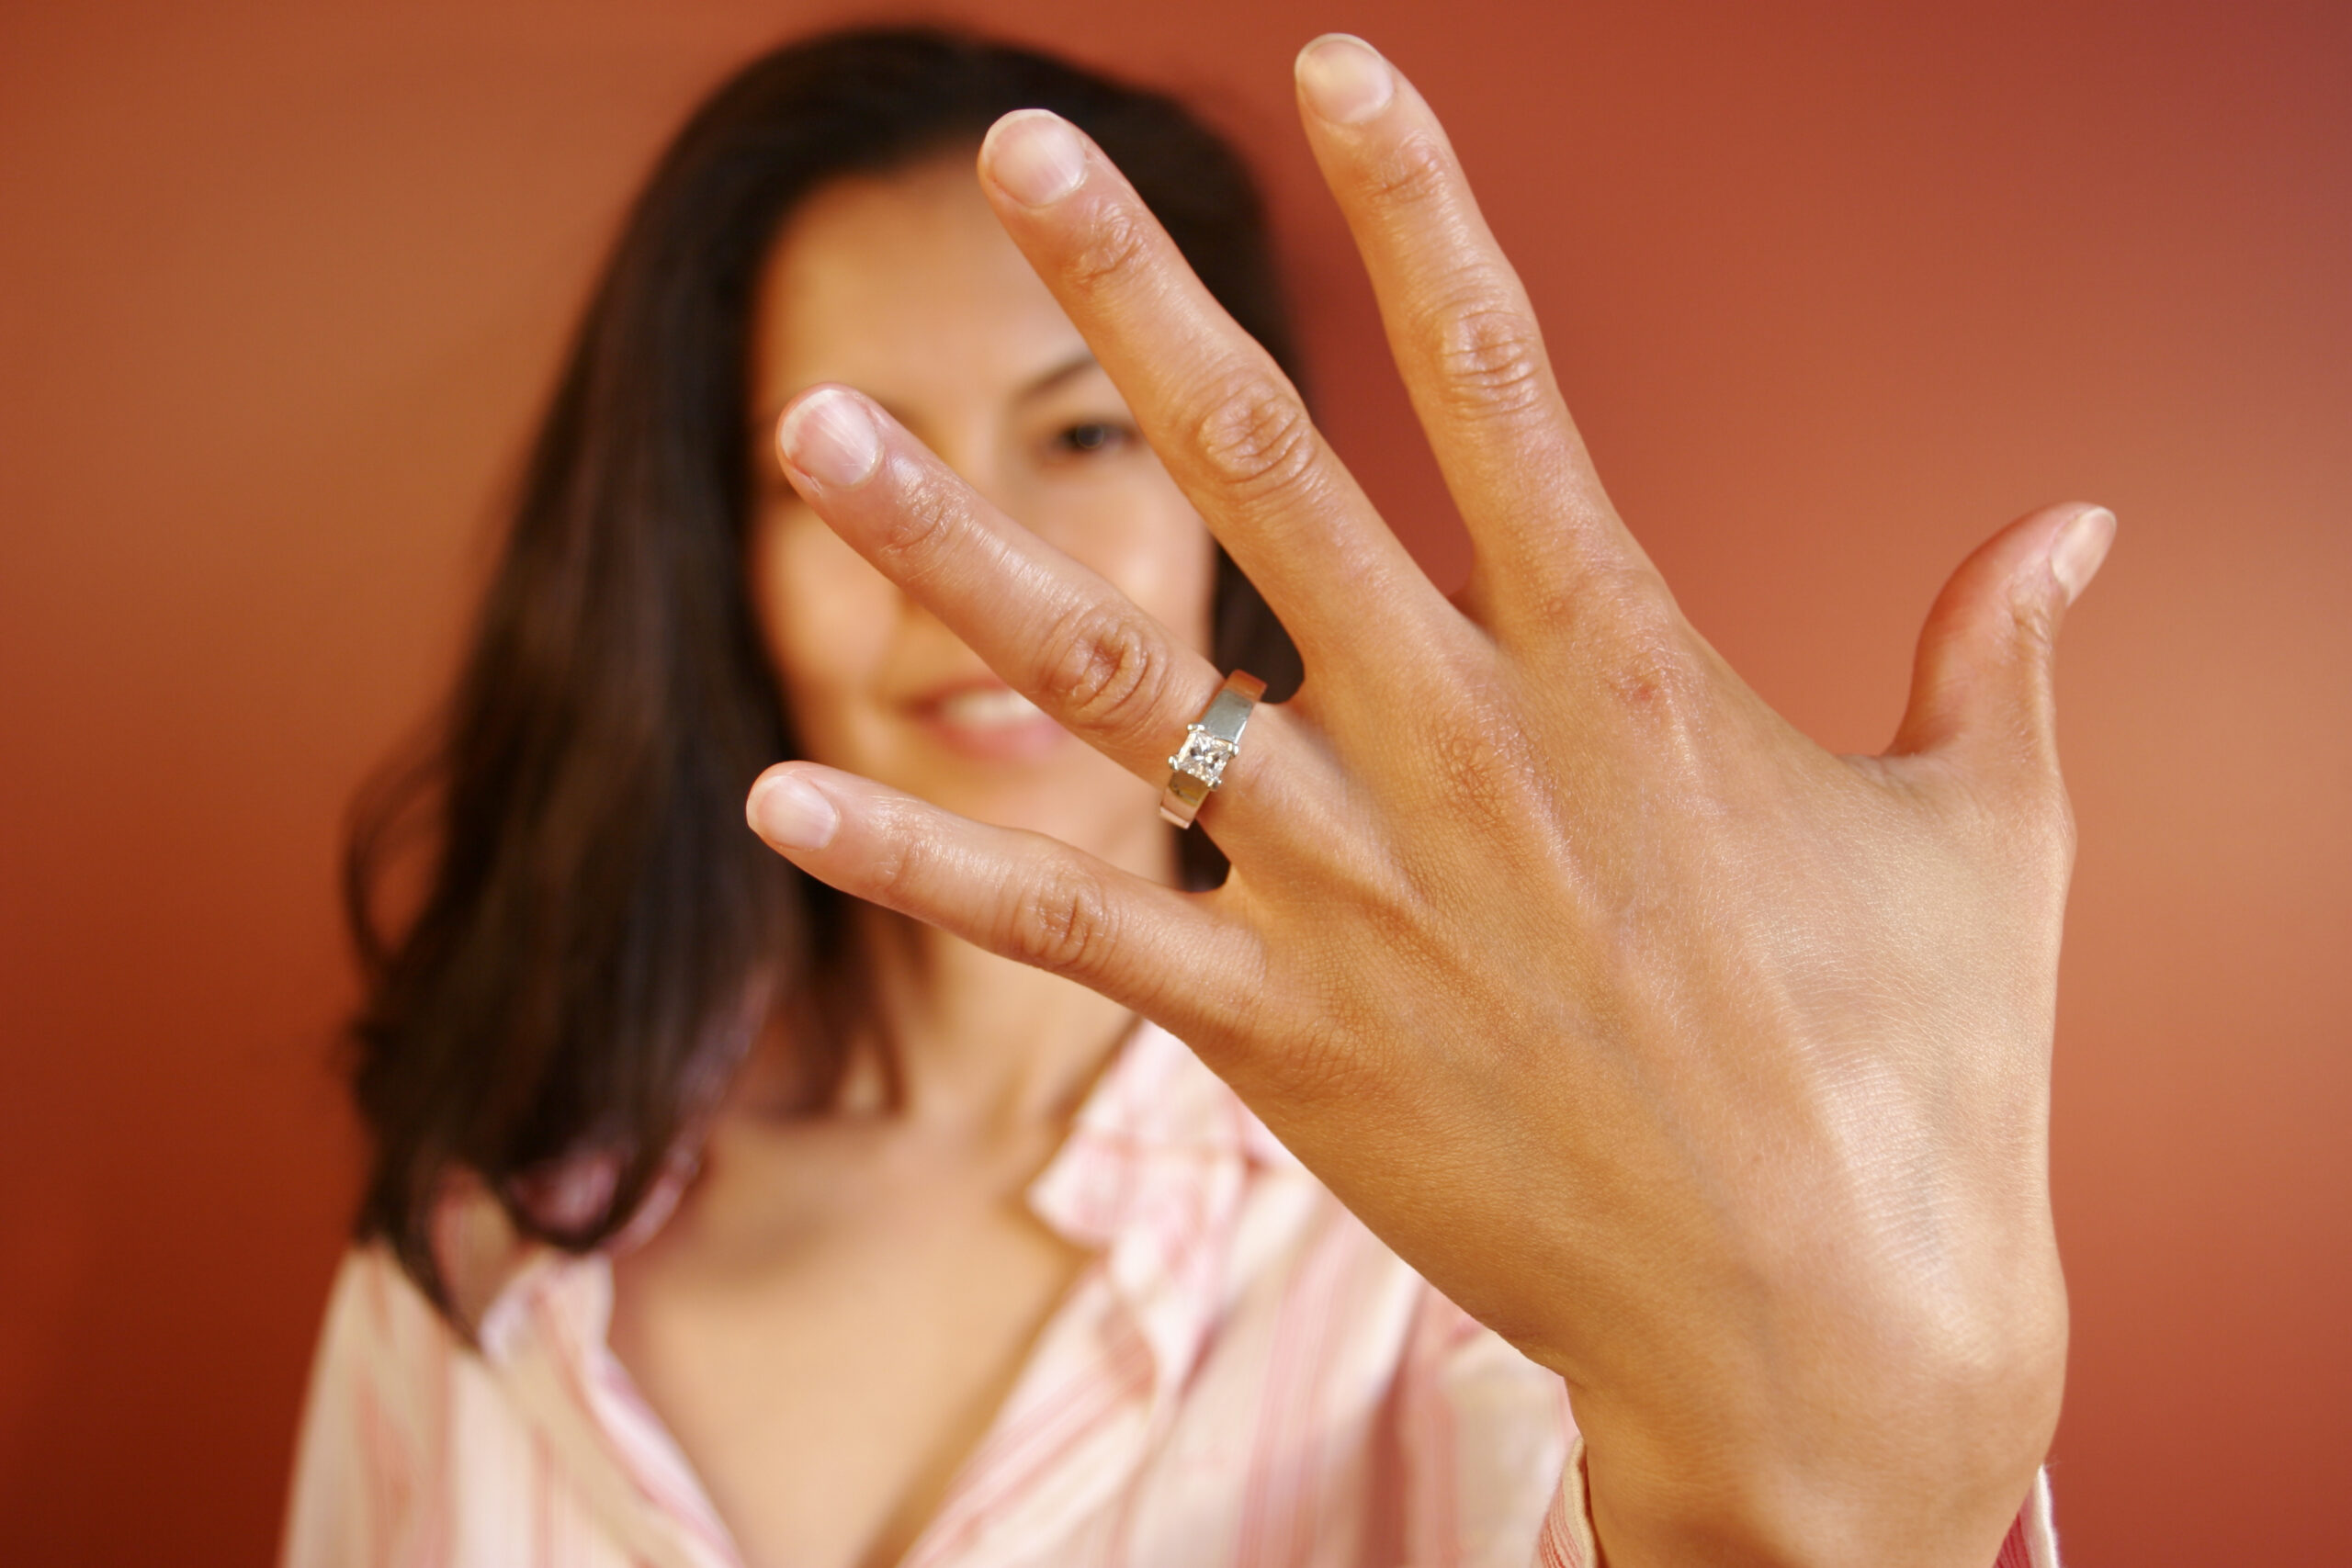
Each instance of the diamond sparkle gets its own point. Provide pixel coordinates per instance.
(1202, 755)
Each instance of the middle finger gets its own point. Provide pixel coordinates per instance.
(1227, 424)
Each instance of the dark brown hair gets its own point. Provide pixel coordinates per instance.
(598, 937)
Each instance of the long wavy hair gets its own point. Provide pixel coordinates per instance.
(596, 938)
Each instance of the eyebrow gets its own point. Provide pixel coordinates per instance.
(1070, 369)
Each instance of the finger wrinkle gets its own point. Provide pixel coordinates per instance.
(1109, 252)
(1064, 922)
(1255, 441)
(1490, 361)
(895, 855)
(1415, 171)
(914, 526)
(1109, 675)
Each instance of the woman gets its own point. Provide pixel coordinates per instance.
(852, 1340)
(671, 617)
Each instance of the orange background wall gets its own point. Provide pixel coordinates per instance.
(1835, 290)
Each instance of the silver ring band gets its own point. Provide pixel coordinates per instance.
(1210, 743)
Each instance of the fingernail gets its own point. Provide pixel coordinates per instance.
(1345, 78)
(788, 812)
(2081, 546)
(1035, 156)
(830, 436)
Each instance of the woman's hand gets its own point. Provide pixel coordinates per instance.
(1709, 1068)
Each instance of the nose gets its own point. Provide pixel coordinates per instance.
(970, 446)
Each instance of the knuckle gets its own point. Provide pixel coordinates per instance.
(1109, 675)
(1480, 766)
(1111, 249)
(1413, 173)
(1475, 788)
(911, 538)
(1650, 670)
(1652, 683)
(2036, 617)
(901, 864)
(1063, 924)
(1489, 359)
(1254, 436)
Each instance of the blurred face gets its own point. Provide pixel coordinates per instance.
(904, 287)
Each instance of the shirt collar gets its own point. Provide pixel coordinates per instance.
(1156, 1118)
(1156, 1155)
(1152, 1179)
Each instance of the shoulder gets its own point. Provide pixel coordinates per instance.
(375, 1310)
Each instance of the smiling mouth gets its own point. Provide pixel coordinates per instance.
(985, 707)
(990, 723)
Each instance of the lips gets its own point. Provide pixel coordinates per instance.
(986, 706)
(990, 721)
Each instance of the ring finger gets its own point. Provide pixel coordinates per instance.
(1081, 649)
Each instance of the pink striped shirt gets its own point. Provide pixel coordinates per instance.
(1243, 1376)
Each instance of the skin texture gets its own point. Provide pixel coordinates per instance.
(1709, 1068)
(783, 1322)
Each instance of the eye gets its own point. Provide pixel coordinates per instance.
(1089, 438)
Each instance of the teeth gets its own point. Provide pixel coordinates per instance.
(988, 706)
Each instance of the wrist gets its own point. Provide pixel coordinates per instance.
(1923, 1461)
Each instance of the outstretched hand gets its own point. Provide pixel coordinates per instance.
(1709, 1068)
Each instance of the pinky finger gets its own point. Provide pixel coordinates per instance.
(1164, 953)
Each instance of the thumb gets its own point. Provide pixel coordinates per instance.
(1981, 682)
